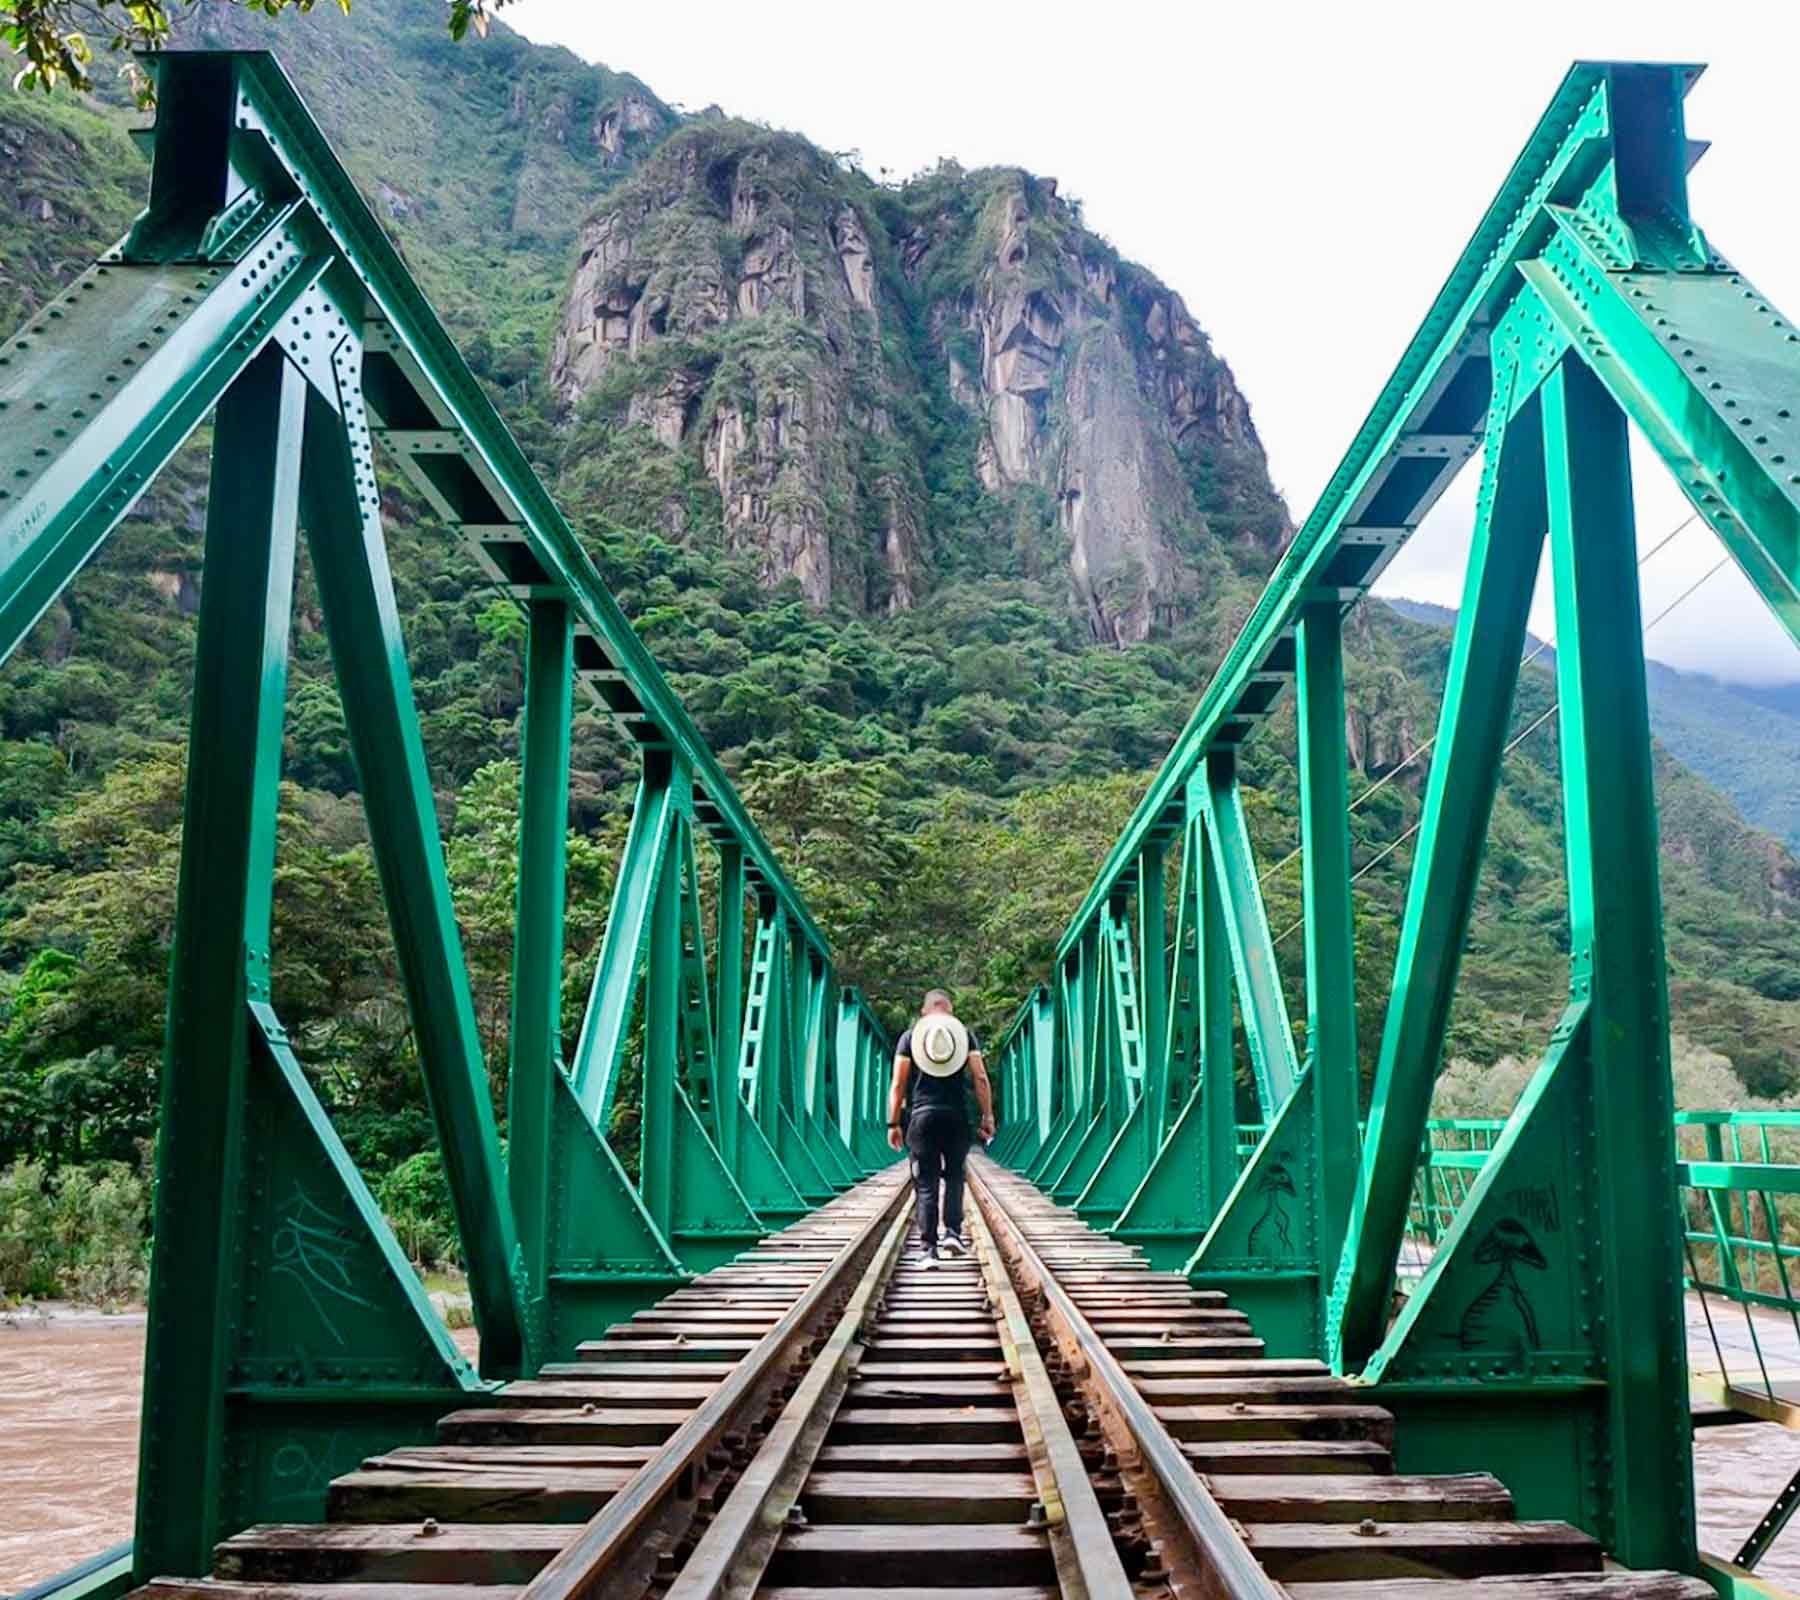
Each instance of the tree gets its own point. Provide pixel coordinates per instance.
(53, 35)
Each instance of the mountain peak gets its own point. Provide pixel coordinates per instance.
(842, 356)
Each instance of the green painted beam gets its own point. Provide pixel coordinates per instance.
(1153, 991)
(1260, 1000)
(221, 929)
(728, 1006)
(599, 1051)
(1217, 1085)
(1616, 955)
(159, 344)
(341, 512)
(536, 1032)
(1329, 928)
(1704, 365)
(1459, 797)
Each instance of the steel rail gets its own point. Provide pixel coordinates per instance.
(1217, 1543)
(732, 1556)
(583, 1566)
(1087, 1559)
(734, 1552)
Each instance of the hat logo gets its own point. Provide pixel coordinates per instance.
(940, 1045)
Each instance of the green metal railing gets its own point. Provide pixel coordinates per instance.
(1739, 1175)
(1740, 1178)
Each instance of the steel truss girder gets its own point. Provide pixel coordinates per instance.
(1560, 1279)
(1188, 1180)
(275, 1276)
(1274, 1241)
(1587, 291)
(286, 1325)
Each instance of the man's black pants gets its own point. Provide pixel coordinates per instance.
(939, 1141)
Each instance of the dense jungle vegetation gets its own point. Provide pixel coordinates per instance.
(940, 793)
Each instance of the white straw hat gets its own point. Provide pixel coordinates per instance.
(940, 1044)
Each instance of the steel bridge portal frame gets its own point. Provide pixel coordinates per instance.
(288, 1334)
(1546, 1340)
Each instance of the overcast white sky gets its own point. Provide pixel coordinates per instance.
(1303, 175)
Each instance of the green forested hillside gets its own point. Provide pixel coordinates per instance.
(842, 451)
(1743, 740)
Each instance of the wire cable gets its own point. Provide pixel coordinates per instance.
(1518, 739)
(1542, 645)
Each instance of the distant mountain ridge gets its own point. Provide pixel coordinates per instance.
(1743, 739)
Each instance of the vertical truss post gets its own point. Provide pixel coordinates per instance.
(221, 926)
(797, 1059)
(1014, 1109)
(1216, 1086)
(1153, 994)
(341, 510)
(1616, 955)
(821, 1120)
(728, 1021)
(1181, 1043)
(1136, 1091)
(869, 1119)
(1072, 1012)
(761, 1041)
(770, 1064)
(1042, 1061)
(1084, 988)
(871, 1113)
(1112, 1055)
(750, 1082)
(1459, 799)
(1330, 936)
(1260, 1001)
(1031, 1063)
(847, 1045)
(875, 1101)
(1192, 1171)
(536, 1034)
(700, 1075)
(662, 1007)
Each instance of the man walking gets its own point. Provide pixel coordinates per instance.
(936, 1063)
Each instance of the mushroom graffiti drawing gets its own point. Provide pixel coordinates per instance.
(1271, 1226)
(1508, 1245)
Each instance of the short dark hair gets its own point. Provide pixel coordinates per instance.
(937, 997)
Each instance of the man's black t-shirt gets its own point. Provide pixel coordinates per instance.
(926, 1093)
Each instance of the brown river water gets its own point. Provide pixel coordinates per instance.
(68, 1451)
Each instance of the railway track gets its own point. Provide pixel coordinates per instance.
(830, 1415)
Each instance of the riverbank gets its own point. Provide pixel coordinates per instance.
(70, 1382)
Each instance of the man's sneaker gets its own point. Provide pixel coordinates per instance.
(951, 1248)
(927, 1258)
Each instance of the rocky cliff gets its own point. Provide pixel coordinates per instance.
(741, 341)
(835, 355)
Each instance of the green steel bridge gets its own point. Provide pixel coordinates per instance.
(289, 1338)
